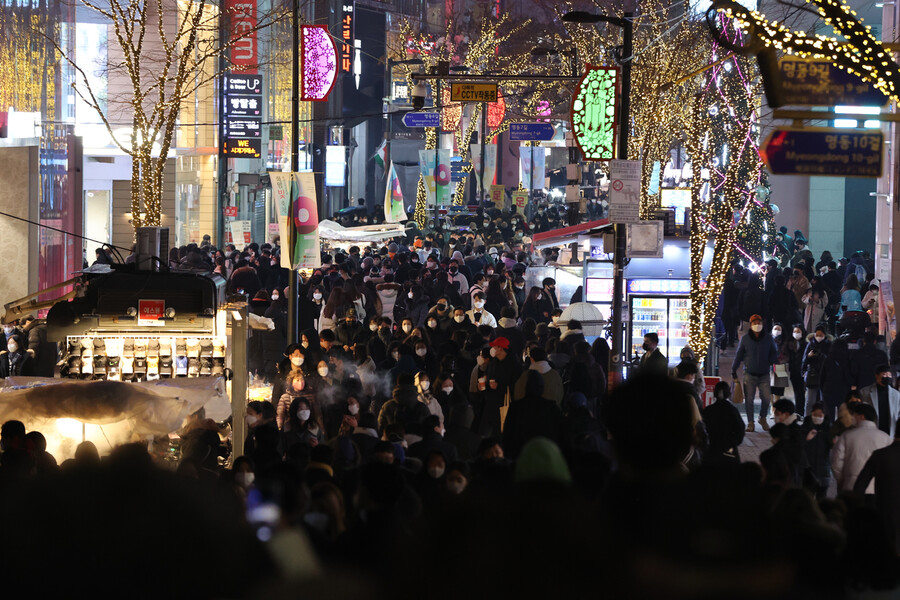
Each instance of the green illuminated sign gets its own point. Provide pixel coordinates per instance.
(594, 113)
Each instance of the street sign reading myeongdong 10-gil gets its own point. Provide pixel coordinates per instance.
(815, 151)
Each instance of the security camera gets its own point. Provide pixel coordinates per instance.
(419, 92)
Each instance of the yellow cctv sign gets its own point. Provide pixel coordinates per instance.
(473, 92)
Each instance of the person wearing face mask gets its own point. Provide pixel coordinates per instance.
(413, 305)
(458, 476)
(263, 442)
(817, 348)
(502, 373)
(548, 302)
(817, 444)
(243, 474)
(757, 353)
(478, 314)
(9, 330)
(348, 331)
(15, 361)
(795, 345)
(311, 306)
(296, 386)
(884, 398)
(426, 396)
(460, 322)
(781, 378)
(302, 427)
(653, 360)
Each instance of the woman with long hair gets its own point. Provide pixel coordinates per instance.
(496, 298)
(334, 310)
(532, 307)
(851, 299)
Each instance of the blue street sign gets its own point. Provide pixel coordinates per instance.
(422, 119)
(835, 152)
(456, 169)
(531, 132)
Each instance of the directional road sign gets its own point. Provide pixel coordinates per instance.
(422, 119)
(531, 132)
(822, 151)
(808, 82)
(473, 92)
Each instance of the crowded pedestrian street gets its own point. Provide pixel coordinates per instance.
(460, 299)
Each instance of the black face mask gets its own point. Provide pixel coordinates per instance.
(646, 346)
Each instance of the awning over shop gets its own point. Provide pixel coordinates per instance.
(567, 235)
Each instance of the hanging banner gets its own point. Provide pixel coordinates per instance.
(240, 232)
(442, 177)
(427, 164)
(525, 158)
(307, 252)
(520, 200)
(282, 185)
(393, 199)
(538, 167)
(490, 165)
(498, 195)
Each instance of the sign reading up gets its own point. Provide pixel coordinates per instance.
(835, 152)
(473, 92)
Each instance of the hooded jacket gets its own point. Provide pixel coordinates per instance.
(404, 408)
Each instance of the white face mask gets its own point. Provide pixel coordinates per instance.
(456, 487)
(818, 420)
(538, 297)
(436, 472)
(493, 352)
(757, 328)
(459, 318)
(353, 409)
(424, 385)
(555, 319)
(373, 326)
(432, 324)
(479, 304)
(410, 295)
(251, 420)
(798, 335)
(305, 344)
(274, 297)
(297, 361)
(12, 347)
(8, 330)
(407, 328)
(448, 389)
(317, 296)
(820, 338)
(776, 332)
(303, 415)
(421, 351)
(323, 371)
(245, 478)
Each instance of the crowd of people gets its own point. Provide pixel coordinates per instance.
(438, 431)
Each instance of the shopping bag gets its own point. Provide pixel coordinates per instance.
(781, 370)
(504, 409)
(737, 392)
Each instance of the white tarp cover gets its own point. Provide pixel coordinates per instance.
(329, 230)
(153, 407)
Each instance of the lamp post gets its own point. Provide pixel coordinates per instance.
(625, 58)
(293, 312)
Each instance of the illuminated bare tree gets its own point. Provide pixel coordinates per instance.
(167, 51)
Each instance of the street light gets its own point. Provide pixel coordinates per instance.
(625, 59)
